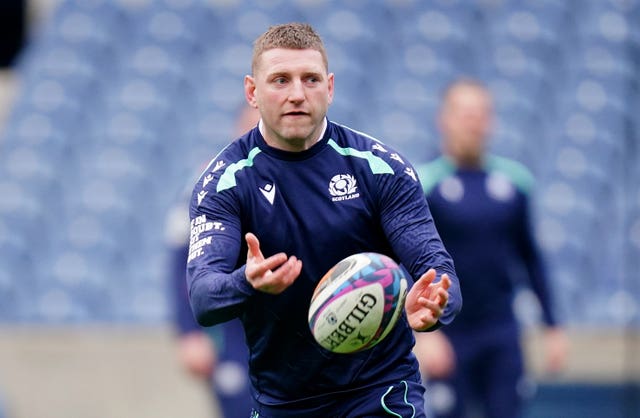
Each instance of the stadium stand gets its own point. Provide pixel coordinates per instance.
(119, 101)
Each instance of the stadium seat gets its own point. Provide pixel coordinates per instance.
(450, 29)
(173, 29)
(153, 61)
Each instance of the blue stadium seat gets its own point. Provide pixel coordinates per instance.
(599, 59)
(212, 128)
(231, 59)
(533, 26)
(173, 29)
(153, 62)
(221, 91)
(17, 279)
(353, 26)
(61, 62)
(94, 29)
(144, 98)
(450, 29)
(243, 21)
(249, 23)
(408, 132)
(350, 73)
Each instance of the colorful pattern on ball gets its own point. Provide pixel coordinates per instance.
(353, 274)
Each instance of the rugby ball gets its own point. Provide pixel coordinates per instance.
(357, 302)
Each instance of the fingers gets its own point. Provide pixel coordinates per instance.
(290, 270)
(425, 280)
(427, 288)
(435, 307)
(445, 281)
(428, 278)
(429, 300)
(259, 265)
(287, 268)
(443, 290)
(426, 315)
(439, 291)
(253, 246)
(266, 266)
(276, 281)
(272, 274)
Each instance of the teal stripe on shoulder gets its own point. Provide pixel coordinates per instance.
(432, 173)
(228, 178)
(515, 171)
(377, 164)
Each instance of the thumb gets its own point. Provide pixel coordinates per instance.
(253, 246)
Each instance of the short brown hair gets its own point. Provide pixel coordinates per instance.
(289, 36)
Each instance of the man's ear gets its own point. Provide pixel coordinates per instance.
(250, 91)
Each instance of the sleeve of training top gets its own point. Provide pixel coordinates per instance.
(217, 285)
(535, 266)
(408, 224)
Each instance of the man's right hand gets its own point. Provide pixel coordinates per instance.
(273, 274)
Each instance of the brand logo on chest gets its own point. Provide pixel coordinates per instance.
(269, 192)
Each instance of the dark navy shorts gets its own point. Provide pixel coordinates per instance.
(404, 399)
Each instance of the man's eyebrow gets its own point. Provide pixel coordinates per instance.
(288, 74)
(318, 74)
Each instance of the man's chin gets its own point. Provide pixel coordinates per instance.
(296, 134)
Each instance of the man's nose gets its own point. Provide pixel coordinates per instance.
(296, 93)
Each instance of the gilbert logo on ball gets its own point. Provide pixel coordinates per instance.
(357, 303)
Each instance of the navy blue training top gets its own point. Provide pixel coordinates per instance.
(483, 216)
(348, 193)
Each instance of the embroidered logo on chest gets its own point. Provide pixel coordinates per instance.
(343, 187)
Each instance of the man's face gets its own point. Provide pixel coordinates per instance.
(292, 90)
(466, 121)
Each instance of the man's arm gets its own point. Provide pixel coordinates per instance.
(409, 225)
(216, 280)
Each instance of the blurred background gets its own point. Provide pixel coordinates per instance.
(108, 107)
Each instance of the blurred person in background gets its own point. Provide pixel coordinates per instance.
(217, 355)
(13, 20)
(2, 408)
(480, 205)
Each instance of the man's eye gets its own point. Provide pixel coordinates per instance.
(280, 80)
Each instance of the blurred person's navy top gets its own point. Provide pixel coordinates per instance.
(347, 194)
(228, 337)
(483, 217)
(183, 316)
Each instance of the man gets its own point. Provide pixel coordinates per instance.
(217, 356)
(267, 225)
(480, 205)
